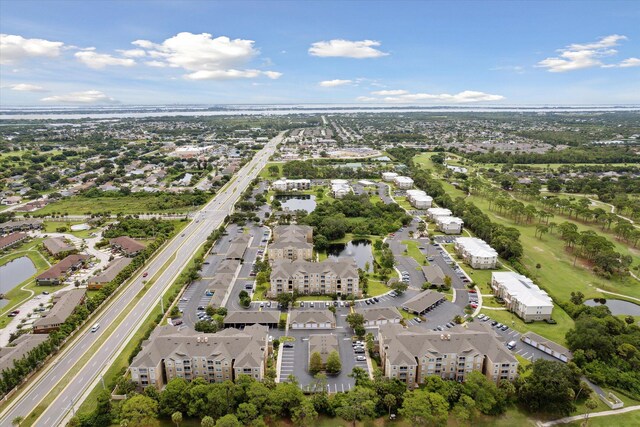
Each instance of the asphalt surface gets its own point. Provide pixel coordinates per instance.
(175, 254)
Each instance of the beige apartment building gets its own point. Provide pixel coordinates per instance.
(291, 242)
(413, 354)
(225, 355)
(332, 276)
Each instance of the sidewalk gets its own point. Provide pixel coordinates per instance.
(567, 420)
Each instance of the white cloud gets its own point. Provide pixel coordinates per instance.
(132, 53)
(100, 60)
(630, 62)
(366, 99)
(390, 92)
(519, 69)
(26, 87)
(579, 56)
(334, 83)
(16, 48)
(458, 98)
(347, 49)
(86, 97)
(205, 57)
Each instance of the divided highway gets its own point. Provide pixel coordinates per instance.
(176, 254)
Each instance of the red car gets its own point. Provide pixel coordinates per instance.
(145, 274)
(473, 291)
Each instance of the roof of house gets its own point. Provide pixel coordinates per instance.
(63, 266)
(127, 244)
(25, 222)
(439, 212)
(228, 266)
(56, 245)
(522, 288)
(476, 247)
(12, 238)
(341, 267)
(112, 270)
(64, 304)
(311, 316)
(249, 317)
(433, 273)
(547, 343)
(404, 345)
(324, 344)
(445, 220)
(423, 300)
(21, 347)
(238, 247)
(286, 236)
(379, 313)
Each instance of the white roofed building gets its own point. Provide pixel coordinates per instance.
(522, 296)
(340, 188)
(434, 213)
(449, 224)
(403, 182)
(476, 252)
(389, 176)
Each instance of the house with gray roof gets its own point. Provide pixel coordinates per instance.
(423, 302)
(19, 349)
(63, 305)
(238, 247)
(323, 344)
(109, 273)
(312, 319)
(332, 276)
(376, 316)
(58, 245)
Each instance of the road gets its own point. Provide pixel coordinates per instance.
(176, 255)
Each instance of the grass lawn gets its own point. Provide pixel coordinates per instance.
(403, 202)
(555, 332)
(78, 205)
(265, 174)
(314, 298)
(629, 419)
(414, 252)
(376, 287)
(51, 226)
(259, 294)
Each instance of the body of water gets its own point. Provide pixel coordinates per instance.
(359, 249)
(15, 272)
(617, 306)
(305, 202)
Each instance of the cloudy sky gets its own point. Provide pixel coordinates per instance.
(395, 53)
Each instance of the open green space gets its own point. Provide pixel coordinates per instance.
(555, 332)
(414, 252)
(266, 174)
(131, 204)
(53, 226)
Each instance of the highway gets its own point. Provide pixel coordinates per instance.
(176, 254)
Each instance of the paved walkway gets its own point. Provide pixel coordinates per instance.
(567, 420)
(620, 295)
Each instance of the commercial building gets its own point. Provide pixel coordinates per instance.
(413, 354)
(522, 296)
(476, 252)
(449, 224)
(324, 345)
(340, 188)
(291, 242)
(403, 182)
(109, 273)
(224, 356)
(58, 246)
(63, 305)
(419, 199)
(389, 176)
(332, 276)
(285, 184)
(127, 246)
(377, 316)
(433, 213)
(59, 272)
(312, 319)
(11, 240)
(423, 302)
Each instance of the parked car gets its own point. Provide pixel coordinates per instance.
(494, 323)
(361, 358)
(376, 299)
(45, 293)
(288, 345)
(359, 350)
(367, 302)
(417, 319)
(311, 304)
(504, 327)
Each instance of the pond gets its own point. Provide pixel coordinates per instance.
(617, 306)
(15, 272)
(294, 202)
(359, 249)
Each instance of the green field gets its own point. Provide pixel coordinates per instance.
(51, 226)
(264, 173)
(414, 252)
(79, 205)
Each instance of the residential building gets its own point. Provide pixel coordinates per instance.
(340, 188)
(324, 345)
(109, 273)
(389, 176)
(403, 182)
(522, 296)
(413, 354)
(433, 274)
(312, 319)
(423, 302)
(238, 247)
(285, 184)
(291, 242)
(224, 356)
(20, 348)
(419, 199)
(434, 213)
(449, 224)
(476, 252)
(241, 319)
(22, 225)
(63, 305)
(332, 276)
(11, 240)
(376, 316)
(59, 272)
(127, 246)
(58, 246)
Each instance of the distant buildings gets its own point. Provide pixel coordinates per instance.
(522, 296)
(434, 213)
(340, 188)
(389, 176)
(23, 225)
(63, 305)
(413, 354)
(219, 357)
(291, 242)
(127, 246)
(315, 278)
(403, 182)
(12, 240)
(285, 184)
(476, 252)
(449, 224)
(419, 199)
(59, 272)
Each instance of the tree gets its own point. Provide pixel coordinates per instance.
(17, 421)
(304, 414)
(333, 365)
(140, 410)
(399, 287)
(590, 404)
(176, 418)
(447, 281)
(551, 387)
(274, 170)
(315, 363)
(389, 401)
(355, 319)
(228, 420)
(464, 409)
(424, 408)
(207, 422)
(357, 404)
(246, 413)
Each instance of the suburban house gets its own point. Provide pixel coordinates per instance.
(423, 302)
(59, 272)
(332, 276)
(241, 319)
(449, 224)
(126, 245)
(108, 274)
(291, 242)
(285, 184)
(522, 296)
(419, 199)
(58, 246)
(340, 188)
(63, 305)
(476, 252)
(389, 176)
(23, 225)
(223, 356)
(312, 319)
(11, 240)
(376, 316)
(324, 345)
(433, 213)
(403, 182)
(413, 354)
(21, 347)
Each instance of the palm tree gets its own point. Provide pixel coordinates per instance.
(176, 417)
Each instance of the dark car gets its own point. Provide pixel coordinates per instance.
(504, 327)
(376, 299)
(288, 345)
(494, 323)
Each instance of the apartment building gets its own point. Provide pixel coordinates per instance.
(434, 213)
(128, 246)
(403, 182)
(58, 246)
(59, 272)
(110, 272)
(419, 199)
(340, 188)
(21, 225)
(63, 305)
(522, 296)
(413, 354)
(449, 224)
(291, 242)
(389, 176)
(223, 356)
(285, 184)
(12, 240)
(476, 252)
(332, 276)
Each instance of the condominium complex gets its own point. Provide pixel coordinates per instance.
(403, 182)
(419, 199)
(170, 353)
(333, 276)
(522, 296)
(389, 176)
(433, 213)
(64, 303)
(291, 242)
(285, 184)
(476, 252)
(449, 224)
(340, 188)
(413, 354)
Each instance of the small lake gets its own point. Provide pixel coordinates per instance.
(295, 202)
(15, 272)
(359, 249)
(617, 306)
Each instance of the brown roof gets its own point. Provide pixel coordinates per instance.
(111, 271)
(56, 245)
(11, 239)
(127, 243)
(63, 266)
(422, 301)
(65, 303)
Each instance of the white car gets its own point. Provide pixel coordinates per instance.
(361, 358)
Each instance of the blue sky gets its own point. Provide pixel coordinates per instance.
(396, 53)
